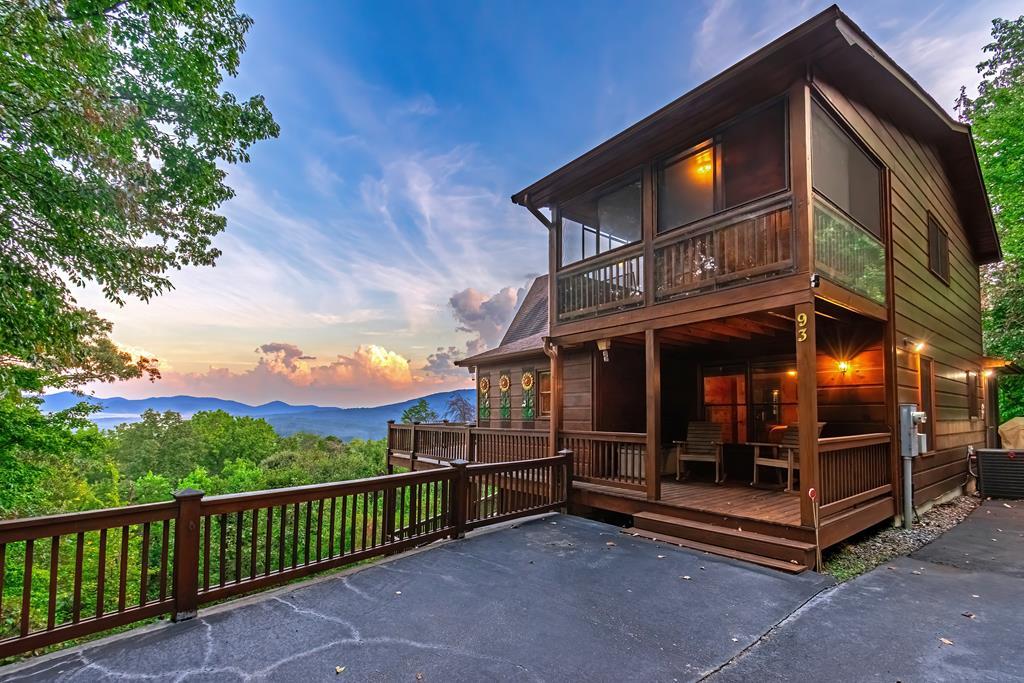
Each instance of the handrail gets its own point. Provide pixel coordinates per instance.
(629, 437)
(834, 443)
(618, 254)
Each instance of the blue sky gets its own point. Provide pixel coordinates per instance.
(405, 128)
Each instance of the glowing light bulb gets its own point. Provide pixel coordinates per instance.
(843, 366)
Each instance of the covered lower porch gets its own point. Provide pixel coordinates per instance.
(775, 422)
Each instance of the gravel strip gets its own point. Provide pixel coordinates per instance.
(866, 551)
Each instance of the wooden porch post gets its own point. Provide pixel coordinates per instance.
(652, 464)
(807, 408)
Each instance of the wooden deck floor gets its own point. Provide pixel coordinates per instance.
(738, 500)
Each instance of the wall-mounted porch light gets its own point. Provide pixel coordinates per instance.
(843, 366)
(987, 373)
(791, 373)
(604, 346)
(914, 345)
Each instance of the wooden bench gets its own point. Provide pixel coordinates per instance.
(783, 455)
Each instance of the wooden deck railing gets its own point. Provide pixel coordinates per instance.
(611, 458)
(445, 442)
(601, 284)
(724, 251)
(145, 561)
(853, 470)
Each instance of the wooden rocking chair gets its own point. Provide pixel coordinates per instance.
(703, 444)
(783, 455)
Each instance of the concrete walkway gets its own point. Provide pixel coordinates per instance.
(953, 611)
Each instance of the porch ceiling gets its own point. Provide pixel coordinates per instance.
(749, 327)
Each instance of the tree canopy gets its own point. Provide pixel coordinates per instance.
(114, 129)
(419, 412)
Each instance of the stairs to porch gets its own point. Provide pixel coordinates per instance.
(779, 553)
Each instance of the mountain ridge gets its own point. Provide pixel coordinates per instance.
(369, 422)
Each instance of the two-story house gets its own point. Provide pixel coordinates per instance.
(743, 288)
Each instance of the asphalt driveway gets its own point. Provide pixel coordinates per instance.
(953, 611)
(553, 599)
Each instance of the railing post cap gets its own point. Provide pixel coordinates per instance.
(188, 493)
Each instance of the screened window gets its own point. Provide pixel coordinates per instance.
(686, 187)
(974, 394)
(754, 156)
(927, 387)
(743, 162)
(844, 174)
(938, 249)
(602, 220)
(544, 391)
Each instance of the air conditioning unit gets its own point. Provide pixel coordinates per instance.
(1001, 473)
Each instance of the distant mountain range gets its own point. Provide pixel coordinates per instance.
(345, 423)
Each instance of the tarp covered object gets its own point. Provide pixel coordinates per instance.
(1012, 433)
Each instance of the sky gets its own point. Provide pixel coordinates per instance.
(374, 242)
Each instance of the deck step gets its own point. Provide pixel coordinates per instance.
(780, 565)
(749, 542)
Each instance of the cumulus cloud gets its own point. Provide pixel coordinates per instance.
(487, 317)
(442, 363)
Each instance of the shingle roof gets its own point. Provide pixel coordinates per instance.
(527, 330)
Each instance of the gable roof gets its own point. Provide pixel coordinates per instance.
(525, 334)
(829, 39)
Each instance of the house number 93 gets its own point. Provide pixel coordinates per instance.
(801, 327)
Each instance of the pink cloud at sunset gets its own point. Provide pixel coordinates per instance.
(370, 375)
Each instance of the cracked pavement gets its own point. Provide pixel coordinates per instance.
(564, 598)
(551, 599)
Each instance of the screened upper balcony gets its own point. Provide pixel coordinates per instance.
(717, 213)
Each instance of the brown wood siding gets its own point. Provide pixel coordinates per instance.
(515, 371)
(852, 402)
(578, 391)
(946, 317)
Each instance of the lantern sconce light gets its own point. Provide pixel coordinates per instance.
(605, 346)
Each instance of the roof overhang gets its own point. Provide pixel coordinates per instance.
(830, 41)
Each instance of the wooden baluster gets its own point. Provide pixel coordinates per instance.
(253, 543)
(51, 608)
(296, 522)
(207, 524)
(164, 552)
(238, 545)
(268, 541)
(144, 569)
(101, 573)
(26, 588)
(280, 537)
(306, 534)
(76, 591)
(222, 526)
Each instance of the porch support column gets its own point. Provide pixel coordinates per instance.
(652, 464)
(555, 358)
(807, 408)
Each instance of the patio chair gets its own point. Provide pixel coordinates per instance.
(783, 455)
(703, 444)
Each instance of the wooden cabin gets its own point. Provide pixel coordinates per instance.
(743, 288)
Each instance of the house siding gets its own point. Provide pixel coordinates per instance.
(947, 317)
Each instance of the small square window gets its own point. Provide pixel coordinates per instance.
(938, 249)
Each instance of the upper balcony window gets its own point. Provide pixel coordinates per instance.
(844, 174)
(743, 162)
(602, 220)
